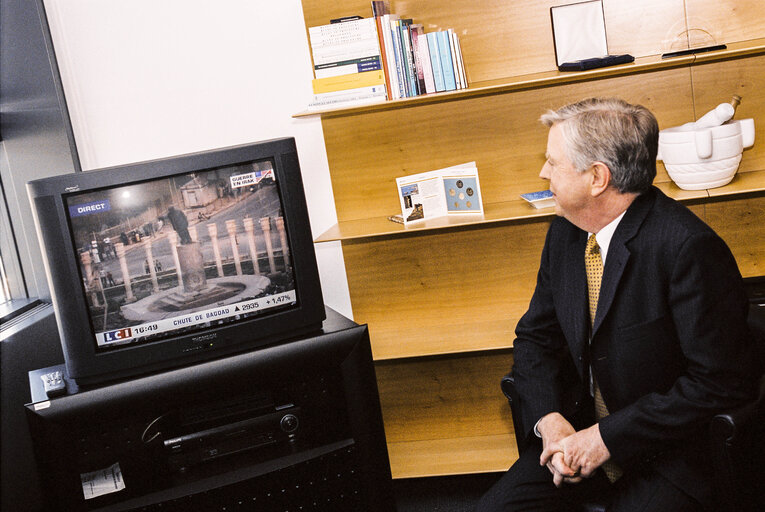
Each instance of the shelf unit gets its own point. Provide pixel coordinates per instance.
(442, 298)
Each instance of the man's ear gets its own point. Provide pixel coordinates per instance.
(601, 178)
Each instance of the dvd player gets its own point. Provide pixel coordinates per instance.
(193, 448)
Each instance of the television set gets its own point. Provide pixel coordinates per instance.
(171, 261)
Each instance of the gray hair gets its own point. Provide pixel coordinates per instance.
(625, 137)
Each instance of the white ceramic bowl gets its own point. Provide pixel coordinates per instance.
(704, 158)
(700, 176)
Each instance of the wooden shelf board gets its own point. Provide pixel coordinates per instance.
(743, 183)
(675, 192)
(386, 350)
(519, 210)
(734, 50)
(381, 226)
(551, 78)
(443, 457)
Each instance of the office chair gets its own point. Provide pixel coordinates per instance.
(736, 440)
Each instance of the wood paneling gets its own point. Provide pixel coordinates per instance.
(444, 292)
(444, 397)
(740, 223)
(725, 20)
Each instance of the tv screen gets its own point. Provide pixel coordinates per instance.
(160, 262)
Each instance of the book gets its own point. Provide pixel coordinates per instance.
(444, 48)
(390, 55)
(411, 73)
(435, 59)
(381, 8)
(453, 54)
(422, 60)
(399, 56)
(339, 42)
(460, 62)
(347, 97)
(347, 67)
(541, 199)
(350, 81)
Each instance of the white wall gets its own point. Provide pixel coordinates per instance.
(145, 79)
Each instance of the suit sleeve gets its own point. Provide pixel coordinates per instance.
(537, 350)
(708, 309)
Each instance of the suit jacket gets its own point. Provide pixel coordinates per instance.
(669, 346)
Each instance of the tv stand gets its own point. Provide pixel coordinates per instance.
(296, 424)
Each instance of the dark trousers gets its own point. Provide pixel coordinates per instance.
(527, 486)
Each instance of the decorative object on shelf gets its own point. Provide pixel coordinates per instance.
(448, 191)
(541, 199)
(579, 37)
(706, 153)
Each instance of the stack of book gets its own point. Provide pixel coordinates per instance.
(347, 63)
(362, 60)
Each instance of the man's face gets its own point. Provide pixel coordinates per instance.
(570, 188)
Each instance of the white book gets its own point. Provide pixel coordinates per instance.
(346, 41)
(360, 94)
(455, 64)
(460, 62)
(390, 54)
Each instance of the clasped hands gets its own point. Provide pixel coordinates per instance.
(568, 454)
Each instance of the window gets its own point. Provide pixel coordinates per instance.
(11, 275)
(5, 293)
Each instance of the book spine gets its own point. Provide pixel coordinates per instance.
(373, 92)
(400, 24)
(452, 49)
(420, 59)
(435, 59)
(461, 62)
(383, 57)
(380, 7)
(391, 56)
(401, 78)
(351, 81)
(406, 40)
(446, 60)
(348, 66)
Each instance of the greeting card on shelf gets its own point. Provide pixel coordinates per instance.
(450, 191)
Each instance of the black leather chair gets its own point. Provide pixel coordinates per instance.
(736, 441)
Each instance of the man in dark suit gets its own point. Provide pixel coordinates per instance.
(636, 333)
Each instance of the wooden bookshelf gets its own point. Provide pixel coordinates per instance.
(442, 298)
(646, 64)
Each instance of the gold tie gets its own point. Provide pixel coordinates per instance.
(593, 264)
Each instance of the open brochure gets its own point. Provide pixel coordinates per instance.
(449, 191)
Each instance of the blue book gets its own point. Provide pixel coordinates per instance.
(444, 48)
(394, 32)
(435, 62)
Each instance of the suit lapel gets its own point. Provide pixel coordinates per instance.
(576, 311)
(619, 254)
